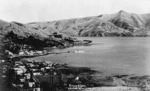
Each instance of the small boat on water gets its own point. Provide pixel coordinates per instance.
(83, 42)
(79, 51)
(87, 41)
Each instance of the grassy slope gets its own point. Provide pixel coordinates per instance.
(121, 22)
(118, 24)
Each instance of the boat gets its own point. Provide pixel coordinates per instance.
(79, 51)
(87, 41)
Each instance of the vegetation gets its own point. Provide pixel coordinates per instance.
(15, 43)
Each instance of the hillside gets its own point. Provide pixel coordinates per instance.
(121, 24)
(118, 24)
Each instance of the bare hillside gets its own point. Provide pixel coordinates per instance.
(118, 24)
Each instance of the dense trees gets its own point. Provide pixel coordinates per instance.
(15, 43)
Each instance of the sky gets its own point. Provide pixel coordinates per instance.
(25, 11)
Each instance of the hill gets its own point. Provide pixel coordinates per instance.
(118, 24)
(121, 24)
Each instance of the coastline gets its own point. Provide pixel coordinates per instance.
(98, 78)
(99, 81)
(105, 82)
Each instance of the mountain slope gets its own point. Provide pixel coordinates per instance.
(118, 24)
(121, 24)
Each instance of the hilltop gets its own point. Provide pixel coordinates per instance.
(118, 24)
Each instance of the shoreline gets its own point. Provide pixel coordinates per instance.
(56, 58)
(115, 80)
(97, 80)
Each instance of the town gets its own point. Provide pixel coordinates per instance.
(20, 74)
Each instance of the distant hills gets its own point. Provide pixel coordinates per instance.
(118, 24)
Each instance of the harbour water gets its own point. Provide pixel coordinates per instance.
(115, 55)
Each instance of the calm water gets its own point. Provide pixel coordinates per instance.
(110, 55)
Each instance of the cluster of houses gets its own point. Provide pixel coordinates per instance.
(30, 75)
(24, 75)
(21, 78)
(31, 53)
